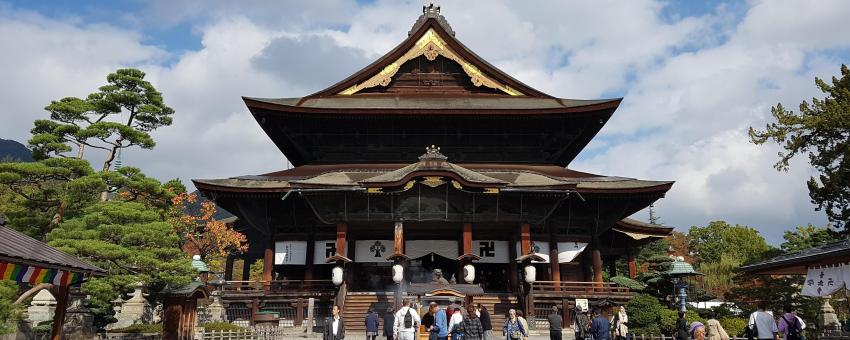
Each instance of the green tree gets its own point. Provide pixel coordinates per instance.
(806, 237)
(821, 130)
(37, 195)
(121, 114)
(718, 238)
(130, 237)
(9, 313)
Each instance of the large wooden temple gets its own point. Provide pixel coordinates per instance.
(430, 158)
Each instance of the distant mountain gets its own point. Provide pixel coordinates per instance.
(14, 150)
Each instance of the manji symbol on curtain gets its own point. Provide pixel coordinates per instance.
(34, 275)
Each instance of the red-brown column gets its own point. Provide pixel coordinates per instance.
(268, 264)
(553, 260)
(341, 238)
(171, 319)
(61, 293)
(398, 238)
(467, 238)
(632, 263)
(525, 238)
(597, 265)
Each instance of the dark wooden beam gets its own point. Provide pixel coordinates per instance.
(61, 293)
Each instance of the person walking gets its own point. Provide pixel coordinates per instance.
(697, 330)
(334, 326)
(484, 315)
(389, 321)
(371, 325)
(682, 327)
(406, 321)
(761, 324)
(713, 329)
(621, 330)
(791, 325)
(520, 316)
(473, 330)
(581, 324)
(513, 330)
(600, 327)
(555, 324)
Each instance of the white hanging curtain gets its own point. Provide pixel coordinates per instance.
(419, 248)
(826, 280)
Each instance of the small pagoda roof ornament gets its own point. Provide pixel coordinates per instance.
(433, 153)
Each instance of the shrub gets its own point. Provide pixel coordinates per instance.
(628, 283)
(221, 326)
(140, 328)
(9, 314)
(644, 311)
(733, 326)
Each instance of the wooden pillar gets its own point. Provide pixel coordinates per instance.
(553, 259)
(228, 268)
(299, 312)
(525, 238)
(612, 266)
(268, 264)
(61, 293)
(597, 265)
(341, 237)
(632, 263)
(255, 308)
(308, 267)
(566, 316)
(398, 238)
(465, 248)
(513, 270)
(246, 267)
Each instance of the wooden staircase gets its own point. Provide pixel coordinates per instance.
(497, 305)
(357, 305)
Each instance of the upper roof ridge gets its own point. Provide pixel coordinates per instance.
(431, 11)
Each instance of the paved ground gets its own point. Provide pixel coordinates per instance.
(568, 335)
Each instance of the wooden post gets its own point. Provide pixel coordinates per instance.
(466, 248)
(172, 318)
(398, 238)
(553, 260)
(632, 263)
(341, 237)
(565, 313)
(299, 312)
(246, 268)
(62, 294)
(597, 259)
(612, 266)
(255, 308)
(311, 303)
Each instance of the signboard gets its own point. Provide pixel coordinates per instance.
(567, 251)
(491, 251)
(825, 281)
(322, 250)
(372, 250)
(290, 252)
(582, 305)
(419, 248)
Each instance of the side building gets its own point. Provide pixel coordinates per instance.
(431, 173)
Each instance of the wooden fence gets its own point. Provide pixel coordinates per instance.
(255, 333)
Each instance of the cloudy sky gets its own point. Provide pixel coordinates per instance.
(694, 74)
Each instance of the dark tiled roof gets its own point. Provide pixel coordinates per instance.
(434, 103)
(833, 251)
(17, 246)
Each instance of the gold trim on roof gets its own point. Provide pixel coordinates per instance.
(430, 45)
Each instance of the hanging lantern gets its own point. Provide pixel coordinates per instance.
(398, 273)
(530, 273)
(336, 275)
(468, 273)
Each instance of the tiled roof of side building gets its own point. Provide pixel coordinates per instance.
(833, 252)
(16, 246)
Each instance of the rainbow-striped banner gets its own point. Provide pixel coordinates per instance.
(34, 275)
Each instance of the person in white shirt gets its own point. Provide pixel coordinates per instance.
(402, 332)
(334, 326)
(457, 318)
(763, 323)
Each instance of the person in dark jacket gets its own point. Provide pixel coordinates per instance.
(371, 325)
(389, 320)
(682, 327)
(484, 315)
(555, 321)
(334, 326)
(600, 327)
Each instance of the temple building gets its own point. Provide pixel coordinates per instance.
(432, 174)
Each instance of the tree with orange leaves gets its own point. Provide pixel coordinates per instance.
(200, 232)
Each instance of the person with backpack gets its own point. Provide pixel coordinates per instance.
(513, 330)
(406, 321)
(389, 322)
(472, 328)
(761, 324)
(714, 330)
(791, 325)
